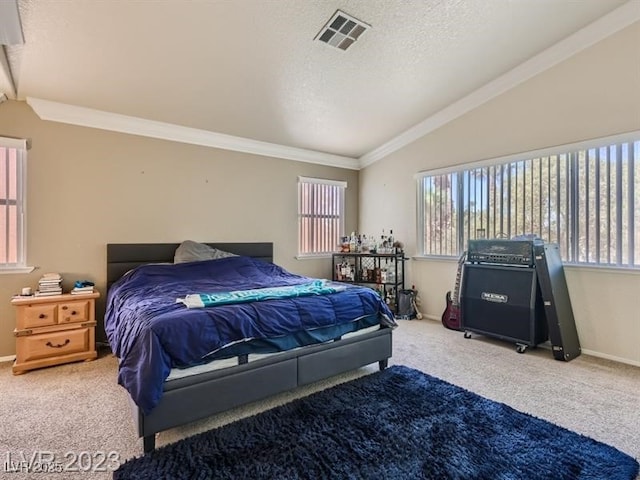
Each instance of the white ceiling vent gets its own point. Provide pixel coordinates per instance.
(342, 30)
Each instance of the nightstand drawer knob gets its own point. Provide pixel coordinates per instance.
(42, 315)
(60, 345)
(64, 307)
(73, 312)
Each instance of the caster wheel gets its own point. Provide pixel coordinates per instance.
(467, 335)
(521, 348)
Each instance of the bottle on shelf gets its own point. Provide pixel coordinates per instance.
(365, 244)
(390, 298)
(391, 276)
(383, 243)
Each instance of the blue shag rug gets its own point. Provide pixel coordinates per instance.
(396, 424)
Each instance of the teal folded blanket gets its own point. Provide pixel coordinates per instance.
(202, 300)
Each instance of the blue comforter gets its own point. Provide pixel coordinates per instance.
(151, 333)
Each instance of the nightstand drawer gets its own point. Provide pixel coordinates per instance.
(34, 347)
(71, 312)
(35, 316)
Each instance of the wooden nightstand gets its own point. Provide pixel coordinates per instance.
(54, 330)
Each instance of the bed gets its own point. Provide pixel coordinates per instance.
(179, 390)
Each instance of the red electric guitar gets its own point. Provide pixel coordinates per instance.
(451, 318)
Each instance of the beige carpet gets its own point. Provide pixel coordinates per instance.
(77, 414)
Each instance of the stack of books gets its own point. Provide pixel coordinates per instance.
(49, 284)
(82, 287)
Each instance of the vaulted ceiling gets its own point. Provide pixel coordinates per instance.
(250, 74)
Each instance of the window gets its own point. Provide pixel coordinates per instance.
(585, 198)
(13, 154)
(320, 215)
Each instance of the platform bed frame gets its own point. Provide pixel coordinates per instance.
(199, 396)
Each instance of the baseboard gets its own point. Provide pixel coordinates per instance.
(584, 351)
(611, 357)
(9, 358)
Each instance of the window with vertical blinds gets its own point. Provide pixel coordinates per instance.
(320, 215)
(13, 153)
(585, 198)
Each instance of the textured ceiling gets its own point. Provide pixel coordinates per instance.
(252, 68)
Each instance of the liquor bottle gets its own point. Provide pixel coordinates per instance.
(392, 299)
(391, 276)
(383, 243)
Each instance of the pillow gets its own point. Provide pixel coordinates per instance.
(190, 251)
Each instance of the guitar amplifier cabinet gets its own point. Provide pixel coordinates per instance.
(503, 302)
(563, 335)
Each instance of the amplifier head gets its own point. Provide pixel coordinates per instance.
(501, 251)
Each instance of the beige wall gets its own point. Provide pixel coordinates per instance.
(89, 187)
(595, 93)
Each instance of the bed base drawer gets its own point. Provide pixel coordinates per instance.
(334, 361)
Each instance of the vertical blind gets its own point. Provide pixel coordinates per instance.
(587, 200)
(12, 170)
(320, 215)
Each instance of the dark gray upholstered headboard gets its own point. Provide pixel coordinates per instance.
(122, 257)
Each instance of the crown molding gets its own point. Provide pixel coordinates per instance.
(596, 31)
(87, 117)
